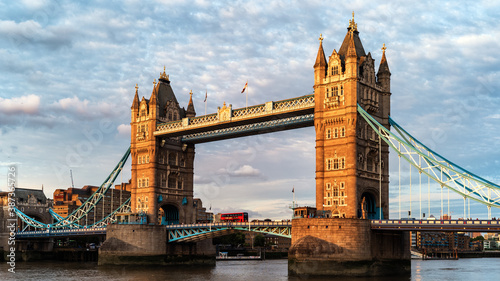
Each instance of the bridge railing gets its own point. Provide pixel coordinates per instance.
(269, 108)
(229, 224)
(436, 222)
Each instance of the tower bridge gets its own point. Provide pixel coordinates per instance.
(350, 111)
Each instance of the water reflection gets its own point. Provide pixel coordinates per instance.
(442, 270)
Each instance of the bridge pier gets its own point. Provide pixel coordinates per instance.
(132, 244)
(346, 247)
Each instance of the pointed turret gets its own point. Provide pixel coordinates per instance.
(154, 94)
(320, 66)
(384, 74)
(351, 60)
(190, 112)
(352, 34)
(135, 103)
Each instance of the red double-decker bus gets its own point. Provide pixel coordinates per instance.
(234, 217)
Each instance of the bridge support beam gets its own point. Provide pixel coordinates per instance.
(133, 244)
(346, 247)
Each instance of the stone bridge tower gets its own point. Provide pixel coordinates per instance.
(348, 160)
(162, 168)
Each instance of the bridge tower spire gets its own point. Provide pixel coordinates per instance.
(347, 149)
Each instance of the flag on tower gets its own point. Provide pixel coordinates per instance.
(293, 190)
(206, 94)
(244, 88)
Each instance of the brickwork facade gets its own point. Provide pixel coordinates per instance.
(349, 167)
(162, 168)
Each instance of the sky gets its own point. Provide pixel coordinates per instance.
(69, 70)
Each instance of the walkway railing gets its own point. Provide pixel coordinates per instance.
(225, 115)
(437, 225)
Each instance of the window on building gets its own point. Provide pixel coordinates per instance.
(335, 133)
(335, 191)
(335, 70)
(163, 180)
(342, 132)
(335, 91)
(327, 92)
(328, 186)
(342, 185)
(172, 158)
(328, 133)
(335, 163)
(342, 90)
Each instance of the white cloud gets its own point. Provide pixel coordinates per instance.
(29, 104)
(124, 129)
(246, 170)
(73, 104)
(242, 171)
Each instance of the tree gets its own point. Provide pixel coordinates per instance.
(234, 239)
(259, 240)
(478, 238)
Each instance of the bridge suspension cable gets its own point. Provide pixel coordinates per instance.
(71, 221)
(436, 167)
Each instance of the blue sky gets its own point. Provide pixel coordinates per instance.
(69, 72)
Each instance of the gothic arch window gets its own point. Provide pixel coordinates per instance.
(179, 183)
(172, 181)
(163, 179)
(172, 158)
(335, 191)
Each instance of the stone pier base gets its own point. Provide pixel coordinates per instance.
(147, 245)
(346, 247)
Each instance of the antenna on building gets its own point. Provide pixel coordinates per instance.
(71, 175)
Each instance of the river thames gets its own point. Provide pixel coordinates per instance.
(442, 270)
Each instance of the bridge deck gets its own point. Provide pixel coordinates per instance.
(197, 232)
(437, 225)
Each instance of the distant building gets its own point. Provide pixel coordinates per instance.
(202, 216)
(278, 243)
(66, 201)
(442, 241)
(305, 212)
(491, 241)
(31, 202)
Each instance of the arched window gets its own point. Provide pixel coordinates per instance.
(172, 158)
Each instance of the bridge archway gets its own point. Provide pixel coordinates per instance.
(170, 214)
(369, 205)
